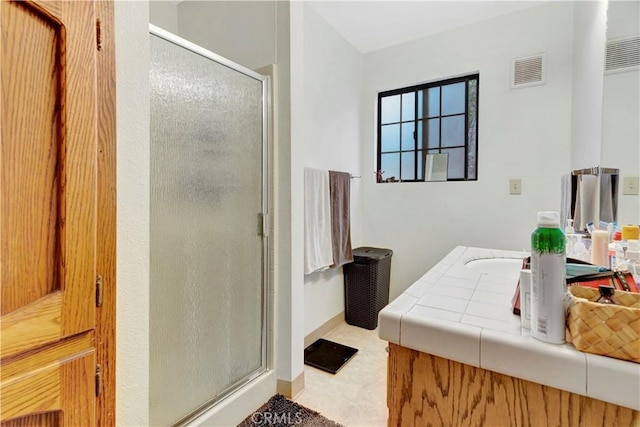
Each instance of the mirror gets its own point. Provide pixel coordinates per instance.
(621, 108)
(435, 167)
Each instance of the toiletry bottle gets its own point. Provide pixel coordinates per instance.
(632, 263)
(606, 294)
(616, 238)
(579, 250)
(571, 236)
(548, 286)
(600, 248)
(629, 232)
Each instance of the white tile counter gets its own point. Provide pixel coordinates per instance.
(464, 314)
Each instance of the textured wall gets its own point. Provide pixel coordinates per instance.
(132, 90)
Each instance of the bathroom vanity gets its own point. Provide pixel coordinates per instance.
(458, 356)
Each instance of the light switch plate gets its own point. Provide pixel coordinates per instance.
(515, 186)
(630, 185)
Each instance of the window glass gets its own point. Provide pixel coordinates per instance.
(434, 101)
(390, 109)
(408, 165)
(408, 106)
(390, 138)
(453, 99)
(455, 166)
(434, 133)
(391, 165)
(421, 106)
(408, 142)
(453, 131)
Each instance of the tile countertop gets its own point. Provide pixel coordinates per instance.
(463, 314)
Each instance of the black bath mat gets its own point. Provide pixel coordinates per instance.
(282, 412)
(328, 355)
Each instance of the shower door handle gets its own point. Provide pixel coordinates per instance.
(263, 226)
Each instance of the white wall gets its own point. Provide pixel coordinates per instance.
(332, 74)
(621, 111)
(242, 31)
(132, 119)
(589, 33)
(523, 133)
(296, 343)
(288, 333)
(164, 14)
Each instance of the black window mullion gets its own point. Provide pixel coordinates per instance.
(415, 135)
(400, 144)
(379, 156)
(477, 126)
(440, 120)
(466, 130)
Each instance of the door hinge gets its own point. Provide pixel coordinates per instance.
(98, 291)
(98, 379)
(98, 35)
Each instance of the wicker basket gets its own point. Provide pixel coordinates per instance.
(605, 329)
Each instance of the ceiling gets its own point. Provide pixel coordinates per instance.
(373, 25)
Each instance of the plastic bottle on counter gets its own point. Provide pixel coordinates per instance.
(617, 237)
(600, 248)
(632, 262)
(548, 285)
(629, 232)
(570, 236)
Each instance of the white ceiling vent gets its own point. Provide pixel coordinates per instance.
(528, 71)
(623, 54)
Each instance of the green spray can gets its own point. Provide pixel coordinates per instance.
(548, 284)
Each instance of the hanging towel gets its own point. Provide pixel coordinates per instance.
(606, 198)
(577, 211)
(317, 221)
(614, 195)
(340, 190)
(589, 197)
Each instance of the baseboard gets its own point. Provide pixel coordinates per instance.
(235, 408)
(324, 329)
(291, 389)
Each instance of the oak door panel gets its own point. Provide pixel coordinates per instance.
(48, 157)
(58, 381)
(49, 419)
(106, 250)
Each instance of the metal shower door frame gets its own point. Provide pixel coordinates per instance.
(263, 215)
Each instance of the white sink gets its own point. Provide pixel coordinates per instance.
(503, 267)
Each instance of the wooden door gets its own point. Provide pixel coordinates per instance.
(48, 215)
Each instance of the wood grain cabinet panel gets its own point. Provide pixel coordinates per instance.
(426, 390)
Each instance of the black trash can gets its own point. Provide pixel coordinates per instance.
(366, 286)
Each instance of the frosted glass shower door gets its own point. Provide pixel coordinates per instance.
(207, 308)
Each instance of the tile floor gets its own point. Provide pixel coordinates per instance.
(356, 395)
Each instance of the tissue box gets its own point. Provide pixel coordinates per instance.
(607, 329)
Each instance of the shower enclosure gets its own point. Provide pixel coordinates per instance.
(208, 273)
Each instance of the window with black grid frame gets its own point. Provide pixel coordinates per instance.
(421, 124)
